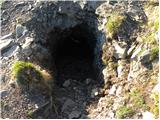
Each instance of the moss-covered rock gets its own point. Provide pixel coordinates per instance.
(26, 73)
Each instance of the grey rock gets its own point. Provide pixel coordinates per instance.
(94, 92)
(119, 51)
(4, 44)
(67, 83)
(27, 43)
(3, 78)
(20, 30)
(119, 91)
(88, 80)
(11, 51)
(74, 114)
(120, 70)
(4, 93)
(144, 57)
(26, 50)
(135, 53)
(20, 4)
(8, 36)
(68, 104)
(130, 51)
(83, 116)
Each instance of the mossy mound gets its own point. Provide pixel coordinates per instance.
(26, 73)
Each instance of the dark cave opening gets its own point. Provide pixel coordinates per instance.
(73, 53)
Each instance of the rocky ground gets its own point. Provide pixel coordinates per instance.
(119, 81)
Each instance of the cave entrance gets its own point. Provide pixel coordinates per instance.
(73, 53)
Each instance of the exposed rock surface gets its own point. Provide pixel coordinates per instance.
(125, 62)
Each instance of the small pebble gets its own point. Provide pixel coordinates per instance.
(66, 83)
(36, 106)
(88, 80)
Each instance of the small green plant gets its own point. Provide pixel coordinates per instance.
(124, 112)
(30, 113)
(114, 23)
(154, 53)
(25, 72)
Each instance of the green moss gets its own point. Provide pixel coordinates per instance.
(25, 72)
(114, 23)
(154, 53)
(124, 112)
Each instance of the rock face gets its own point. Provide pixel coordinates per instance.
(125, 55)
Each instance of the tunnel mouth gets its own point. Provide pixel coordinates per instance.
(73, 53)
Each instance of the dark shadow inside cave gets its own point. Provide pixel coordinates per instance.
(73, 53)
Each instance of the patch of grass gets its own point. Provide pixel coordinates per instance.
(137, 99)
(124, 112)
(154, 53)
(149, 38)
(114, 23)
(25, 72)
(156, 25)
(150, 29)
(155, 108)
